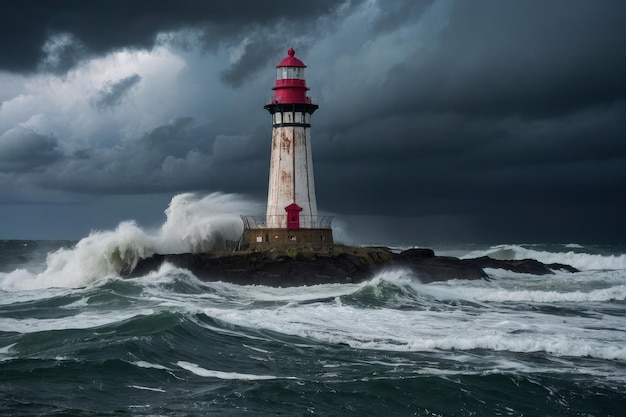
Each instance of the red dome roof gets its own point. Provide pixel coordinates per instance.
(291, 60)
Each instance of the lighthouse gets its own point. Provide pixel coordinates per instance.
(291, 164)
(291, 217)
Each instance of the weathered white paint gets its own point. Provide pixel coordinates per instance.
(291, 171)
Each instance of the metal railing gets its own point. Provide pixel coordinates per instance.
(275, 100)
(280, 222)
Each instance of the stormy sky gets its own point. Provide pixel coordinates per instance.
(440, 120)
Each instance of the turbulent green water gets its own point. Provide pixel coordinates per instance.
(169, 345)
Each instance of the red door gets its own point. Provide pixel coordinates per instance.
(293, 216)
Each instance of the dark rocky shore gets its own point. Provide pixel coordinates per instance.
(292, 267)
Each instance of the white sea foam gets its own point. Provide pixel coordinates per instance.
(516, 368)
(200, 371)
(582, 261)
(193, 224)
(5, 353)
(144, 364)
(490, 294)
(322, 292)
(295, 294)
(256, 349)
(78, 321)
(140, 387)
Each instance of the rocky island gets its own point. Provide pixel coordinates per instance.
(293, 266)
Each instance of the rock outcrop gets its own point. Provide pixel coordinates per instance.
(292, 267)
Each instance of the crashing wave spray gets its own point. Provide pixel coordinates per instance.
(193, 224)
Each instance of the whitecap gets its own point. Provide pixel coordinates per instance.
(503, 295)
(147, 388)
(198, 370)
(581, 261)
(78, 321)
(5, 353)
(144, 364)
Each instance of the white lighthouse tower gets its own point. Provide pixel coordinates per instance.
(291, 216)
(291, 167)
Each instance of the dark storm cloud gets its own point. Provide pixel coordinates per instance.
(174, 134)
(163, 159)
(257, 53)
(455, 164)
(113, 93)
(539, 63)
(182, 155)
(396, 13)
(97, 26)
(62, 51)
(499, 58)
(515, 102)
(22, 150)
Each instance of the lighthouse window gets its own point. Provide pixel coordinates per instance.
(289, 72)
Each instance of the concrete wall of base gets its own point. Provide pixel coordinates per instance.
(317, 239)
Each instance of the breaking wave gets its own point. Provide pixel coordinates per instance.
(193, 224)
(580, 260)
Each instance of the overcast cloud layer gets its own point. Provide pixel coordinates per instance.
(439, 120)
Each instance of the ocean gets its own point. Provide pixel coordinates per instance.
(78, 340)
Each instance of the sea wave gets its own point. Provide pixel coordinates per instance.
(490, 294)
(418, 331)
(89, 320)
(577, 259)
(436, 318)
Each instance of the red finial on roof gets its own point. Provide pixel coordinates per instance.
(291, 60)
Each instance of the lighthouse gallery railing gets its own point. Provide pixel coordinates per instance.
(262, 222)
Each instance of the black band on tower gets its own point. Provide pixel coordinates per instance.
(291, 107)
(291, 125)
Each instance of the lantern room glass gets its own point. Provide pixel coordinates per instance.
(283, 73)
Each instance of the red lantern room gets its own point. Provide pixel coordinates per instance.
(290, 83)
